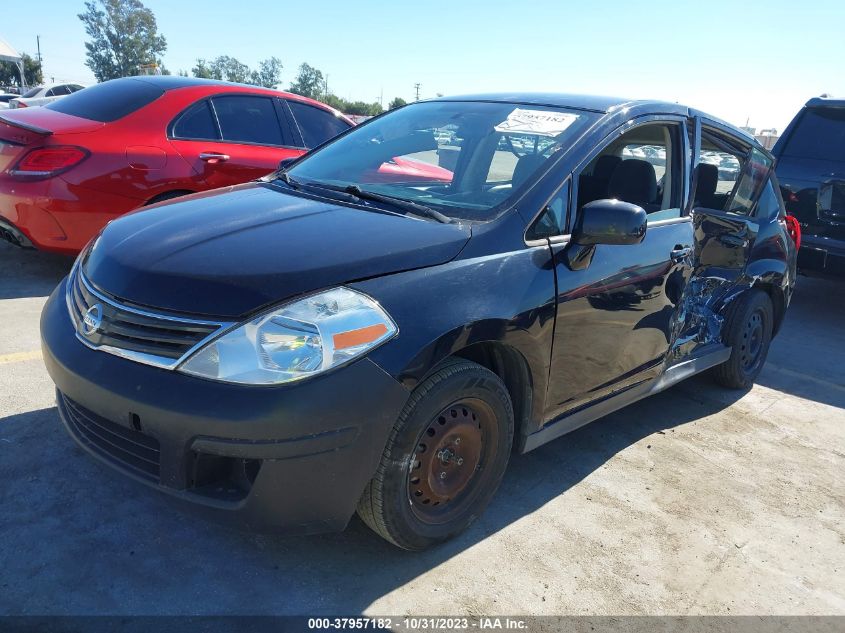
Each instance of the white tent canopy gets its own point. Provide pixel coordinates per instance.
(9, 54)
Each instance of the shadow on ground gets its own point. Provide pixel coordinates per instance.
(29, 273)
(806, 357)
(144, 553)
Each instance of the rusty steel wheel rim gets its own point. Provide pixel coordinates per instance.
(449, 458)
(752, 341)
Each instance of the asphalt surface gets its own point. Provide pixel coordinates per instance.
(695, 501)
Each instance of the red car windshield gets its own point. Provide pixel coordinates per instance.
(466, 159)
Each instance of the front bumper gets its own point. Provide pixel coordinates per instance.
(291, 458)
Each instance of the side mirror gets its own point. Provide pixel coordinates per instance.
(610, 222)
(287, 162)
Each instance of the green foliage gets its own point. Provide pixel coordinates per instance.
(334, 101)
(309, 83)
(10, 75)
(269, 73)
(398, 102)
(202, 70)
(361, 108)
(124, 35)
(225, 68)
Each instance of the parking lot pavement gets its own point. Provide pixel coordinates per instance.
(697, 500)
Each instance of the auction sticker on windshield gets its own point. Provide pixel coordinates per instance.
(543, 122)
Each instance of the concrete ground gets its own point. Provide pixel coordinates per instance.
(696, 501)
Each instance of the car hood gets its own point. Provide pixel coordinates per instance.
(230, 252)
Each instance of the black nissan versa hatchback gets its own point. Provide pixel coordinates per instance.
(333, 337)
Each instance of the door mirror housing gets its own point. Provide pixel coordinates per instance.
(610, 222)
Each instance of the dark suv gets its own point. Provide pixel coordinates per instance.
(811, 169)
(322, 340)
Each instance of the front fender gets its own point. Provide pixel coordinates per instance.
(508, 299)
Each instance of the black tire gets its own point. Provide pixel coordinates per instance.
(748, 330)
(445, 407)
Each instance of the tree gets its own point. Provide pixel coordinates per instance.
(309, 83)
(335, 102)
(398, 102)
(11, 76)
(361, 108)
(202, 70)
(225, 68)
(269, 73)
(123, 36)
(230, 69)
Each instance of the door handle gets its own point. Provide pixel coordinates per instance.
(733, 241)
(680, 252)
(214, 157)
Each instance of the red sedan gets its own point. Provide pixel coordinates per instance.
(68, 168)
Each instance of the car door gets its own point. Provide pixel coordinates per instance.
(618, 313)
(723, 202)
(233, 138)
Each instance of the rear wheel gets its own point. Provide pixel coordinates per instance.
(748, 330)
(444, 459)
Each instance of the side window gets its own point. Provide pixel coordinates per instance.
(553, 220)
(750, 183)
(729, 175)
(643, 167)
(718, 171)
(197, 123)
(52, 92)
(247, 119)
(74, 88)
(316, 125)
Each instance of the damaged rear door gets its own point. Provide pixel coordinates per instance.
(729, 174)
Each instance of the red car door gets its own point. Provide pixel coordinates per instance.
(233, 138)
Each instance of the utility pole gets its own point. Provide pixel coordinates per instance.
(326, 89)
(38, 44)
(417, 89)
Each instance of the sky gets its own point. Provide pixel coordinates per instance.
(749, 61)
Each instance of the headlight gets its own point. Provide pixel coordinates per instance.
(295, 341)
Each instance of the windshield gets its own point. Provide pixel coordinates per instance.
(32, 92)
(464, 159)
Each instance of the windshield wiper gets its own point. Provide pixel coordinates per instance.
(313, 187)
(399, 203)
(352, 193)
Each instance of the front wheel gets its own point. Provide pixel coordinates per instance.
(444, 460)
(748, 330)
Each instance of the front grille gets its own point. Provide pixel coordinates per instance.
(131, 449)
(155, 339)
